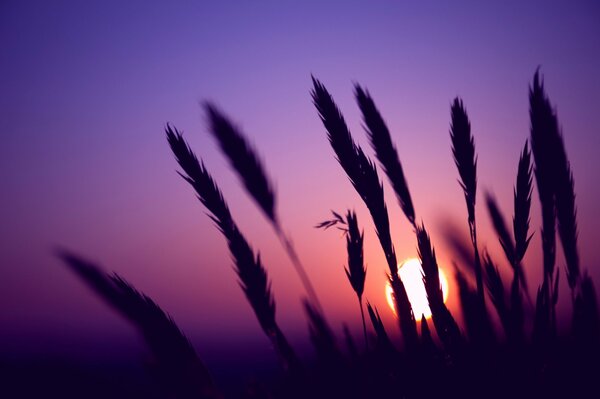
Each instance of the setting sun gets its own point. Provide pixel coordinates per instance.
(411, 274)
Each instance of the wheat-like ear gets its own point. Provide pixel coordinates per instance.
(363, 175)
(243, 159)
(501, 229)
(506, 241)
(430, 353)
(463, 149)
(522, 203)
(544, 133)
(385, 151)
(382, 337)
(445, 324)
(497, 291)
(510, 310)
(246, 163)
(566, 213)
(356, 270)
(248, 266)
(359, 169)
(183, 374)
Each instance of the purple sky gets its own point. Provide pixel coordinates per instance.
(86, 90)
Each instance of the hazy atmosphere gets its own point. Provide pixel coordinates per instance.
(88, 88)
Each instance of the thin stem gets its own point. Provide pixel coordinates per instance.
(478, 272)
(291, 251)
(362, 315)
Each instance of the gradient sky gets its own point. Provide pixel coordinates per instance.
(86, 89)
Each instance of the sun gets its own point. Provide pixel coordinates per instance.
(410, 273)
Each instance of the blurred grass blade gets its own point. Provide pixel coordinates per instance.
(246, 163)
(566, 214)
(506, 241)
(544, 133)
(497, 291)
(385, 151)
(243, 159)
(321, 336)
(181, 371)
(253, 276)
(501, 229)
(555, 183)
(522, 204)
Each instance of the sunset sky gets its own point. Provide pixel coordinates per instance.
(86, 89)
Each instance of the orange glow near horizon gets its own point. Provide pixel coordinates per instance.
(411, 274)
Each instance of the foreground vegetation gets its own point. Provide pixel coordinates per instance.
(473, 360)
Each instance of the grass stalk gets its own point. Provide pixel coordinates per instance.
(248, 266)
(463, 149)
(181, 372)
(363, 175)
(246, 163)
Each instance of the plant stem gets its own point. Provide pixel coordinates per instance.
(362, 315)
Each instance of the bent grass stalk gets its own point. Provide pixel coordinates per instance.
(363, 175)
(247, 165)
(253, 276)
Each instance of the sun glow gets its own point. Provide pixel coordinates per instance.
(411, 274)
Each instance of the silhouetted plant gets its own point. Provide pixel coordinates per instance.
(356, 270)
(386, 153)
(246, 163)
(476, 318)
(252, 274)
(544, 133)
(522, 204)
(444, 322)
(175, 362)
(363, 176)
(465, 365)
(463, 149)
(382, 336)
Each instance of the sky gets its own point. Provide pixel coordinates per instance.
(87, 89)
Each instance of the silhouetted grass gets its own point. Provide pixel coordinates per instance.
(174, 363)
(544, 133)
(476, 318)
(252, 274)
(246, 163)
(363, 176)
(382, 336)
(356, 270)
(463, 149)
(386, 152)
(508, 246)
(445, 324)
(479, 363)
